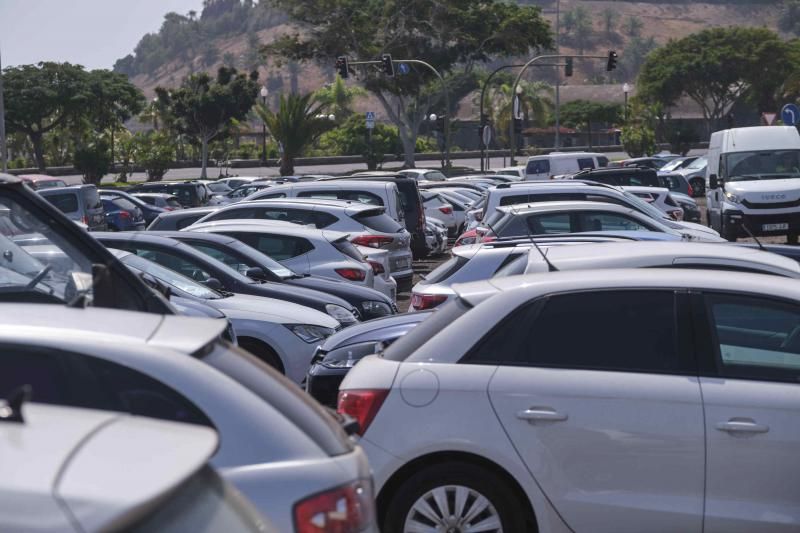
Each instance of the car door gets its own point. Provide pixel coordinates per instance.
(751, 396)
(599, 394)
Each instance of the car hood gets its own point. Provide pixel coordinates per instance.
(312, 297)
(355, 294)
(247, 307)
(380, 329)
(766, 191)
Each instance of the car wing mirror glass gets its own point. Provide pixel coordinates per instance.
(713, 181)
(255, 273)
(213, 283)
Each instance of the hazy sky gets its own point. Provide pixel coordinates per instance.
(92, 33)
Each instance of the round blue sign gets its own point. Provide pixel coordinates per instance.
(790, 114)
(404, 68)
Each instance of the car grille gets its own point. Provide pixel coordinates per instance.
(772, 205)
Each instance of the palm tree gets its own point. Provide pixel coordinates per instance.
(536, 104)
(296, 125)
(338, 97)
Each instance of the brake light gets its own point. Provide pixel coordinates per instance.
(377, 268)
(346, 509)
(420, 302)
(362, 405)
(373, 241)
(690, 192)
(85, 220)
(124, 215)
(447, 210)
(352, 274)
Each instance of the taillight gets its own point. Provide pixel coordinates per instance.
(346, 509)
(421, 302)
(352, 274)
(488, 238)
(377, 268)
(690, 192)
(362, 405)
(124, 215)
(373, 241)
(446, 209)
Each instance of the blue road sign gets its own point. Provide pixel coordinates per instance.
(404, 68)
(370, 120)
(790, 114)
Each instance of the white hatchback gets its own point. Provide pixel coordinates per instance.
(607, 401)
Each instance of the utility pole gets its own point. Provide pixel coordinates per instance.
(558, 78)
(3, 152)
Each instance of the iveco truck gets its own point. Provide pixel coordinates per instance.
(753, 177)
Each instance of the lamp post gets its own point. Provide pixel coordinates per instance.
(626, 88)
(155, 113)
(264, 94)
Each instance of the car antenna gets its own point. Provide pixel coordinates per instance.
(550, 266)
(12, 410)
(750, 233)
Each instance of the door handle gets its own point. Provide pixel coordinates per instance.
(541, 414)
(742, 425)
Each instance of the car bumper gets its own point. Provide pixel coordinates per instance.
(762, 224)
(322, 383)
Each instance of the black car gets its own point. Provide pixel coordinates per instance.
(189, 193)
(621, 177)
(341, 351)
(26, 216)
(413, 210)
(238, 255)
(201, 267)
(182, 218)
(150, 212)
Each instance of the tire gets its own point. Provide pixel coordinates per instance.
(698, 187)
(448, 480)
(262, 352)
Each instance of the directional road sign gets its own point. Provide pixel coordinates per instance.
(790, 114)
(370, 120)
(403, 68)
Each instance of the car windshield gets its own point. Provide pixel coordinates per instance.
(36, 263)
(177, 282)
(219, 187)
(761, 165)
(697, 164)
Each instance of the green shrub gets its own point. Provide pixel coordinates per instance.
(93, 161)
(155, 152)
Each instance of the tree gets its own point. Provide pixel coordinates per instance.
(93, 160)
(638, 139)
(113, 100)
(716, 68)
(202, 107)
(40, 98)
(632, 26)
(578, 25)
(296, 125)
(154, 151)
(610, 17)
(338, 97)
(535, 103)
(579, 113)
(452, 35)
(790, 17)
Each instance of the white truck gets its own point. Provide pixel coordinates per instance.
(545, 167)
(753, 178)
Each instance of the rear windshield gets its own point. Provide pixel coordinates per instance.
(173, 202)
(91, 198)
(514, 268)
(66, 203)
(189, 220)
(122, 203)
(406, 345)
(378, 220)
(445, 270)
(348, 249)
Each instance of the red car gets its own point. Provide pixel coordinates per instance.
(41, 181)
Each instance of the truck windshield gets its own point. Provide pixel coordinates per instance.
(762, 165)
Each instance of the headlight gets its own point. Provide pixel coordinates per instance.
(341, 314)
(373, 307)
(348, 356)
(732, 197)
(310, 333)
(341, 363)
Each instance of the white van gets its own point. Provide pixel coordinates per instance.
(754, 182)
(544, 167)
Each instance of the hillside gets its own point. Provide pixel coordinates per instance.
(230, 32)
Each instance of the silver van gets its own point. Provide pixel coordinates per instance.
(80, 203)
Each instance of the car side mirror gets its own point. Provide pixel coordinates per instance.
(213, 283)
(156, 285)
(713, 181)
(255, 273)
(79, 287)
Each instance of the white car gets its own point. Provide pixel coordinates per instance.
(610, 401)
(423, 174)
(286, 454)
(367, 225)
(69, 469)
(660, 197)
(436, 206)
(282, 334)
(461, 205)
(383, 281)
(517, 173)
(303, 249)
(436, 236)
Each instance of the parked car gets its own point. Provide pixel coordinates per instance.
(436, 233)
(517, 173)
(237, 181)
(543, 167)
(531, 424)
(659, 197)
(461, 205)
(80, 203)
(367, 225)
(478, 189)
(182, 218)
(695, 174)
(678, 163)
(436, 206)
(423, 174)
(287, 455)
(167, 202)
(41, 181)
(340, 352)
(50, 259)
(122, 215)
(644, 162)
(84, 481)
(149, 211)
(302, 249)
(189, 193)
(216, 275)
(257, 266)
(263, 326)
(383, 281)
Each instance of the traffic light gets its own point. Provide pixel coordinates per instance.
(386, 63)
(342, 67)
(612, 60)
(568, 67)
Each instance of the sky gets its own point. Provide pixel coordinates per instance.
(92, 33)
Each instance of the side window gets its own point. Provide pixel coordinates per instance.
(66, 203)
(627, 331)
(43, 371)
(128, 390)
(515, 199)
(602, 161)
(361, 196)
(147, 199)
(550, 223)
(188, 268)
(278, 247)
(600, 221)
(755, 338)
(538, 166)
(271, 196)
(604, 199)
(220, 255)
(232, 214)
(584, 163)
(187, 221)
(722, 172)
(320, 195)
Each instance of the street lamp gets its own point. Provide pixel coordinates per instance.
(264, 93)
(155, 113)
(626, 88)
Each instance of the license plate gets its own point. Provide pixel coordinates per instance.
(402, 263)
(775, 227)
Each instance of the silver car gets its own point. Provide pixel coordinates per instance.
(287, 455)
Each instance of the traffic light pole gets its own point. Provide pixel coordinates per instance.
(511, 136)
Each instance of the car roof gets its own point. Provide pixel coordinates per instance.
(8, 178)
(181, 213)
(628, 253)
(641, 188)
(174, 332)
(335, 204)
(273, 226)
(156, 195)
(65, 467)
(62, 190)
(577, 205)
(39, 177)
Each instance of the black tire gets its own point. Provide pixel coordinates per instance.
(456, 473)
(262, 352)
(698, 187)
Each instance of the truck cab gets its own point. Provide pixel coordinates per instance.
(753, 179)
